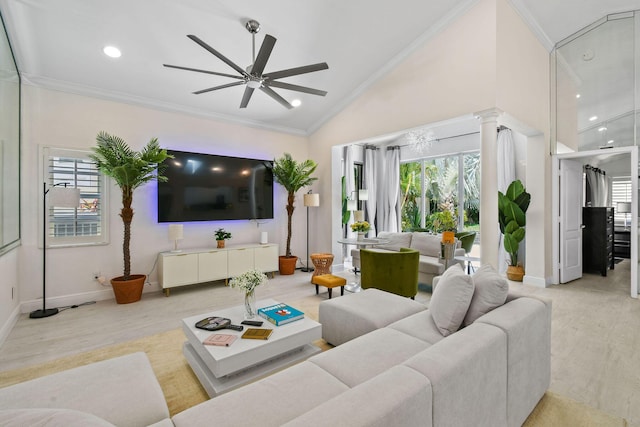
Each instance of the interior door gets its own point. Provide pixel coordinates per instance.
(570, 220)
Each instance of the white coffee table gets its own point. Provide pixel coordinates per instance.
(221, 369)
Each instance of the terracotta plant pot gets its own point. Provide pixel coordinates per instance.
(287, 265)
(128, 291)
(515, 273)
(220, 243)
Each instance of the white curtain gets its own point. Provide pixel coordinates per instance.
(506, 175)
(597, 187)
(350, 183)
(370, 173)
(392, 174)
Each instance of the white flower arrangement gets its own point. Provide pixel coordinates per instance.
(248, 280)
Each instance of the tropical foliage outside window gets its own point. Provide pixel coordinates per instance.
(436, 180)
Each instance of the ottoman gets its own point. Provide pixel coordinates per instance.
(351, 316)
(329, 281)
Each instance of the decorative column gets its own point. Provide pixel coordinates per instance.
(489, 227)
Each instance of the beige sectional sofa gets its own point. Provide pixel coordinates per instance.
(430, 266)
(396, 368)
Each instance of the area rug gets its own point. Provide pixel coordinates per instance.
(182, 389)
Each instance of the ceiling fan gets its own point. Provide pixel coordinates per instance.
(253, 76)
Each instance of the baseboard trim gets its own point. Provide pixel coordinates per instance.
(540, 282)
(9, 324)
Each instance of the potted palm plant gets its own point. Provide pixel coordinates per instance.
(292, 176)
(130, 169)
(512, 209)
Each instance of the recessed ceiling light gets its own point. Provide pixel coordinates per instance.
(610, 141)
(112, 51)
(592, 118)
(602, 129)
(296, 102)
(577, 95)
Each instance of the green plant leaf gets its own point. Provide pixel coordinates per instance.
(515, 189)
(510, 244)
(511, 227)
(512, 212)
(518, 234)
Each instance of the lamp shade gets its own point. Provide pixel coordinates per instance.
(312, 200)
(363, 194)
(175, 232)
(358, 215)
(64, 197)
(623, 207)
(351, 205)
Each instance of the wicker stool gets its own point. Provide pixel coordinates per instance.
(321, 263)
(329, 281)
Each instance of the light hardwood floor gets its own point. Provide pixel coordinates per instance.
(595, 331)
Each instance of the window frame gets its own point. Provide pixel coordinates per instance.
(46, 152)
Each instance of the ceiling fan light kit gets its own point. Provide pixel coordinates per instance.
(252, 77)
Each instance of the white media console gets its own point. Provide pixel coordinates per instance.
(205, 265)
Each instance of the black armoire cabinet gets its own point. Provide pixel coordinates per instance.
(597, 240)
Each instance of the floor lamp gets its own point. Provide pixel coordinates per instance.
(311, 200)
(62, 197)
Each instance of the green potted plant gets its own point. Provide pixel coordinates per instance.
(221, 236)
(292, 176)
(512, 209)
(129, 169)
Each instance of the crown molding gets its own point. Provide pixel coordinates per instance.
(527, 17)
(68, 87)
(433, 30)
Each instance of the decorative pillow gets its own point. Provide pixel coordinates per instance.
(451, 299)
(490, 291)
(427, 244)
(396, 240)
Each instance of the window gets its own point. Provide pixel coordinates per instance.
(86, 224)
(621, 192)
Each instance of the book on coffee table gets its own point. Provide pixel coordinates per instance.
(280, 314)
(257, 334)
(224, 340)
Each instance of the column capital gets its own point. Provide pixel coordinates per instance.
(490, 115)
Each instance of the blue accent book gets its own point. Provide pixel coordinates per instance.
(280, 314)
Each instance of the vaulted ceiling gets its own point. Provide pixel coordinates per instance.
(59, 45)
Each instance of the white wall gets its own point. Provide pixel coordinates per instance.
(71, 121)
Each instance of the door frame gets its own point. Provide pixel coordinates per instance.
(632, 151)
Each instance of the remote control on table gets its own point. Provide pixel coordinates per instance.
(252, 322)
(235, 327)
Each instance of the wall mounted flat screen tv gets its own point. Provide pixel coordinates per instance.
(207, 187)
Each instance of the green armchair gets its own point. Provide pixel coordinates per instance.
(467, 238)
(395, 272)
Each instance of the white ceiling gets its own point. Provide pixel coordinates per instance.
(58, 44)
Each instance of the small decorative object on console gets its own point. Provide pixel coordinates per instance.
(222, 235)
(280, 314)
(248, 281)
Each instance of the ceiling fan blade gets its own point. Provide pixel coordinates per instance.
(218, 87)
(218, 55)
(297, 88)
(263, 55)
(246, 97)
(204, 71)
(296, 71)
(271, 93)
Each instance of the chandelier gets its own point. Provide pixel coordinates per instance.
(420, 140)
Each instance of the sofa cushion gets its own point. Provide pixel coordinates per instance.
(451, 299)
(272, 401)
(427, 244)
(396, 397)
(419, 325)
(490, 291)
(430, 265)
(47, 417)
(396, 240)
(365, 357)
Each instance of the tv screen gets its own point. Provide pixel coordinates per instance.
(207, 187)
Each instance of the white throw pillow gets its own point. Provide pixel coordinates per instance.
(451, 299)
(491, 291)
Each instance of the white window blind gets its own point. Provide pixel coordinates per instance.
(620, 192)
(86, 224)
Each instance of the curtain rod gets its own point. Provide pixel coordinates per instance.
(446, 137)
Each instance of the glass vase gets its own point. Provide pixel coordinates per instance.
(250, 305)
